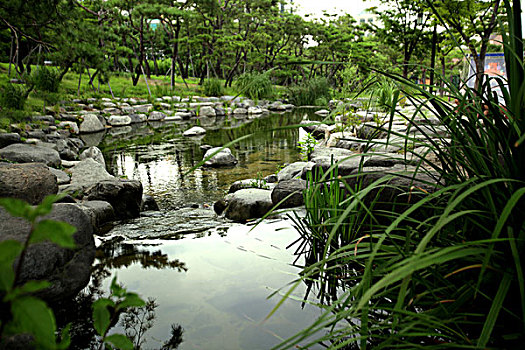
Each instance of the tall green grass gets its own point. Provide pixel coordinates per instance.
(445, 270)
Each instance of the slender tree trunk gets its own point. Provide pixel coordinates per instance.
(10, 56)
(79, 81)
(433, 59)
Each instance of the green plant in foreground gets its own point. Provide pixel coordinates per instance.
(213, 87)
(307, 145)
(255, 85)
(13, 96)
(25, 314)
(445, 270)
(259, 181)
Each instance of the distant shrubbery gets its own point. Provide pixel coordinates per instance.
(315, 91)
(46, 79)
(255, 85)
(13, 96)
(213, 87)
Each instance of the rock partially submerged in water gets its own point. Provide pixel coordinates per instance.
(22, 153)
(220, 157)
(68, 270)
(248, 204)
(30, 182)
(195, 131)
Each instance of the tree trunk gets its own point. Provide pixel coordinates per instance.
(433, 59)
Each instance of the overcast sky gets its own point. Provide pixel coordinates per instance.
(316, 7)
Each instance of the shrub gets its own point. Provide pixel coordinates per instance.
(255, 85)
(13, 96)
(46, 79)
(213, 87)
(310, 92)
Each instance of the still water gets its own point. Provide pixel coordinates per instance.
(211, 277)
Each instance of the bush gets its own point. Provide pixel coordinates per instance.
(13, 96)
(255, 85)
(311, 92)
(46, 79)
(213, 87)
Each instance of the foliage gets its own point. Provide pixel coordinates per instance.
(259, 182)
(309, 92)
(213, 87)
(13, 96)
(307, 145)
(22, 311)
(439, 269)
(255, 85)
(46, 79)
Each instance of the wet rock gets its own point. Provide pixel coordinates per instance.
(255, 110)
(93, 139)
(322, 112)
(390, 159)
(125, 196)
(84, 174)
(222, 158)
(138, 118)
(28, 182)
(369, 131)
(248, 204)
(148, 203)
(91, 124)
(22, 153)
(117, 120)
(292, 171)
(7, 139)
(207, 111)
(66, 150)
(44, 118)
(195, 131)
(240, 111)
(94, 153)
(250, 183)
(69, 125)
(291, 191)
(62, 177)
(347, 161)
(68, 270)
(156, 116)
(35, 134)
(100, 213)
(145, 109)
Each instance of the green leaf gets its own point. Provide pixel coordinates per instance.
(116, 289)
(32, 315)
(119, 341)
(65, 341)
(101, 315)
(57, 232)
(9, 250)
(131, 300)
(28, 288)
(16, 207)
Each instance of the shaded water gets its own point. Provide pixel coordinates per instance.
(209, 276)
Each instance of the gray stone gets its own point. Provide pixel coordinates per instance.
(112, 111)
(68, 270)
(207, 111)
(91, 124)
(100, 213)
(369, 131)
(125, 196)
(116, 120)
(248, 204)
(250, 183)
(155, 116)
(69, 125)
(289, 191)
(148, 203)
(291, 171)
(66, 150)
(240, 111)
(44, 118)
(143, 108)
(322, 112)
(95, 153)
(255, 110)
(22, 153)
(7, 139)
(347, 161)
(389, 160)
(138, 118)
(36, 134)
(223, 157)
(62, 177)
(93, 139)
(195, 131)
(30, 182)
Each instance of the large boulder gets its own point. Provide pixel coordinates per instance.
(291, 191)
(294, 170)
(91, 124)
(144, 109)
(68, 270)
(248, 204)
(125, 196)
(207, 111)
(23, 153)
(347, 161)
(30, 182)
(194, 131)
(100, 213)
(223, 157)
(119, 120)
(94, 153)
(155, 116)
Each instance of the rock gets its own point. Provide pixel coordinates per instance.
(119, 120)
(389, 160)
(220, 112)
(93, 139)
(44, 118)
(207, 111)
(145, 109)
(68, 270)
(138, 118)
(94, 153)
(91, 124)
(195, 131)
(30, 182)
(248, 204)
(155, 116)
(293, 189)
(370, 131)
(85, 174)
(125, 196)
(69, 125)
(22, 153)
(148, 203)
(250, 183)
(223, 157)
(66, 150)
(255, 110)
(7, 139)
(36, 134)
(277, 106)
(322, 112)
(240, 111)
(62, 177)
(292, 171)
(100, 213)
(112, 111)
(347, 160)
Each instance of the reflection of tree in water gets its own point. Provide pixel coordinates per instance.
(78, 311)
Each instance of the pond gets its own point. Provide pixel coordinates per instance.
(211, 277)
